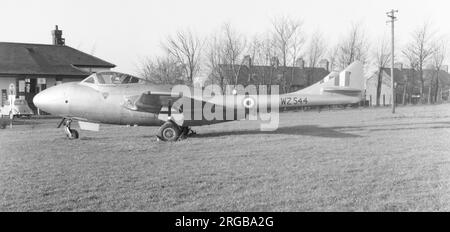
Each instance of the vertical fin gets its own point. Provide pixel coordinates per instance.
(351, 77)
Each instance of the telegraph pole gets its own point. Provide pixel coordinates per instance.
(391, 15)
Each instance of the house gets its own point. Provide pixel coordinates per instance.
(408, 85)
(296, 77)
(33, 67)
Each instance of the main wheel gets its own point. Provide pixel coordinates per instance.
(169, 131)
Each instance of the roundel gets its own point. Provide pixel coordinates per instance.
(248, 102)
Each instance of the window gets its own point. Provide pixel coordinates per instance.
(100, 80)
(106, 78)
(336, 81)
(90, 80)
(347, 78)
(20, 102)
(115, 78)
(133, 80)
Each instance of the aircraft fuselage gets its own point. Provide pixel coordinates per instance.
(105, 104)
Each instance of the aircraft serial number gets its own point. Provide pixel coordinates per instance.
(294, 101)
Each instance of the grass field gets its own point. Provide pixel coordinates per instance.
(341, 160)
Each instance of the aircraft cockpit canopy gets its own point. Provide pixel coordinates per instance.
(111, 78)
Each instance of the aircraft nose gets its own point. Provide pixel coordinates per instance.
(41, 99)
(52, 100)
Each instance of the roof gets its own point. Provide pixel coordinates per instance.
(296, 76)
(400, 75)
(42, 59)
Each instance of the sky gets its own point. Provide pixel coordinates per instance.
(125, 32)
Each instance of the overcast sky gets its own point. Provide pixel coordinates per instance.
(126, 31)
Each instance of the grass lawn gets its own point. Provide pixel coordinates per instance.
(339, 160)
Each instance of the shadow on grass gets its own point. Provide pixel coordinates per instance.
(92, 138)
(308, 130)
(20, 121)
(328, 132)
(396, 126)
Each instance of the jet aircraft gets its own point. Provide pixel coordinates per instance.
(116, 98)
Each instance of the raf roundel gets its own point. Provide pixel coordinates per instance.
(248, 102)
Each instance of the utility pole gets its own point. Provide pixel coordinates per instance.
(391, 15)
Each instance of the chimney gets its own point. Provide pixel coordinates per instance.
(430, 67)
(274, 62)
(398, 66)
(57, 37)
(247, 61)
(300, 63)
(324, 64)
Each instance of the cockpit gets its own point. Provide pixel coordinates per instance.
(112, 78)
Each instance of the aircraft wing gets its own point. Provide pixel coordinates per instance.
(154, 102)
(151, 102)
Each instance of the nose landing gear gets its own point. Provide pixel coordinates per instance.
(70, 133)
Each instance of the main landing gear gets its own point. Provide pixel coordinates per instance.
(70, 133)
(170, 131)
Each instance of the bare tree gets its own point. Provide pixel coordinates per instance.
(332, 54)
(412, 62)
(255, 49)
(224, 53)
(257, 56)
(381, 57)
(315, 52)
(162, 70)
(438, 58)
(287, 35)
(261, 48)
(261, 51)
(234, 45)
(185, 48)
(353, 47)
(421, 49)
(215, 58)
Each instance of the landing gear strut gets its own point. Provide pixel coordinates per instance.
(186, 132)
(70, 133)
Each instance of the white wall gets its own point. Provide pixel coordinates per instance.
(65, 80)
(50, 82)
(371, 89)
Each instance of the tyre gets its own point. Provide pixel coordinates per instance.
(169, 131)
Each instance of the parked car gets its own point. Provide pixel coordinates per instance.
(19, 109)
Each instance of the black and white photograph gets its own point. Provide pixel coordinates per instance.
(224, 106)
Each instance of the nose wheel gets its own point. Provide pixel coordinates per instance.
(70, 133)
